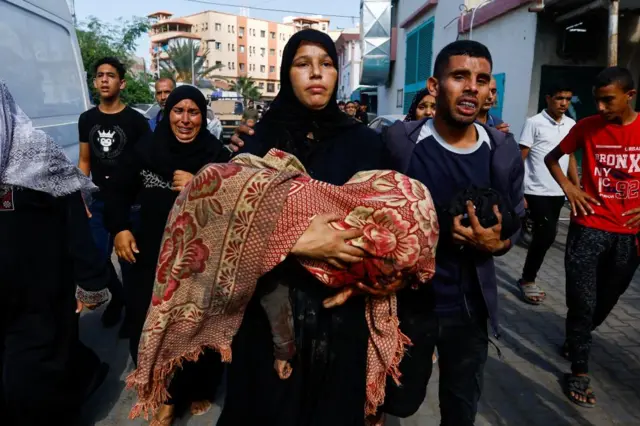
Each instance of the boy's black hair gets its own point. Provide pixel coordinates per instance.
(557, 87)
(615, 75)
(114, 62)
(469, 48)
(341, 103)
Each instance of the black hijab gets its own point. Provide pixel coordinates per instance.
(288, 121)
(411, 115)
(167, 154)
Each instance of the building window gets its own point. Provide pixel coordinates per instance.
(263, 68)
(219, 64)
(271, 87)
(253, 30)
(218, 27)
(272, 35)
(262, 51)
(228, 28)
(218, 46)
(263, 33)
(233, 47)
(324, 27)
(228, 47)
(241, 47)
(400, 98)
(418, 61)
(261, 85)
(272, 52)
(272, 69)
(242, 67)
(241, 31)
(233, 29)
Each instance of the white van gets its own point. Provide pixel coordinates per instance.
(41, 63)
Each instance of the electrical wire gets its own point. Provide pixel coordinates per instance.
(270, 10)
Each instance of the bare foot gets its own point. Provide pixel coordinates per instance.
(164, 416)
(200, 408)
(283, 368)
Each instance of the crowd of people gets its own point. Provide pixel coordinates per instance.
(248, 249)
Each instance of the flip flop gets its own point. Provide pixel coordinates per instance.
(580, 386)
(530, 291)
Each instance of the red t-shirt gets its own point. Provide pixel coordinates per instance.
(610, 170)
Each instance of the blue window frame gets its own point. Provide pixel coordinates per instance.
(501, 79)
(419, 57)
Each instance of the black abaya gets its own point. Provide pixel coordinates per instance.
(329, 371)
(146, 177)
(46, 250)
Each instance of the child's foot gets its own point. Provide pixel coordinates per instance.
(200, 408)
(283, 368)
(578, 389)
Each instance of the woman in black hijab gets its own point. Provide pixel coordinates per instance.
(157, 170)
(327, 386)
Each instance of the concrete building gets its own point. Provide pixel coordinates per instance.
(566, 41)
(244, 46)
(349, 60)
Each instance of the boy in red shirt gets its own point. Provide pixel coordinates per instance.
(602, 251)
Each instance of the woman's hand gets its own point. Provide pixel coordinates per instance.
(375, 290)
(125, 245)
(321, 242)
(180, 180)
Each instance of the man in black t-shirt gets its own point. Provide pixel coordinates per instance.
(107, 132)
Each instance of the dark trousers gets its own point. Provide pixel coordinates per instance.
(599, 267)
(104, 241)
(462, 343)
(544, 213)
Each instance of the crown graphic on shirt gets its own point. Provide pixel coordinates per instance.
(108, 135)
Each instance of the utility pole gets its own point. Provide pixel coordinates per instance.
(193, 64)
(614, 12)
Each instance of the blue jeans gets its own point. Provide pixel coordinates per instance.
(104, 241)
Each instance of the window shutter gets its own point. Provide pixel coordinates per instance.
(425, 51)
(408, 98)
(411, 61)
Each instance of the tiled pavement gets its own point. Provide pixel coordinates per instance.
(522, 389)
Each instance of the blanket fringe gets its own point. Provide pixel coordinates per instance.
(376, 389)
(151, 395)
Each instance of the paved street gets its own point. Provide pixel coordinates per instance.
(522, 389)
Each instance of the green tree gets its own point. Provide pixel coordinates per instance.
(247, 88)
(183, 58)
(98, 39)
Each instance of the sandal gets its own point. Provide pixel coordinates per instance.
(200, 408)
(530, 292)
(164, 416)
(577, 387)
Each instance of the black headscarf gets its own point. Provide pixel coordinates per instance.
(411, 115)
(287, 119)
(168, 154)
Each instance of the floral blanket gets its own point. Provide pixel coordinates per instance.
(237, 221)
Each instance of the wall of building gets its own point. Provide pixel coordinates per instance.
(218, 31)
(388, 95)
(512, 39)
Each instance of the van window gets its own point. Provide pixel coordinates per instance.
(39, 64)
